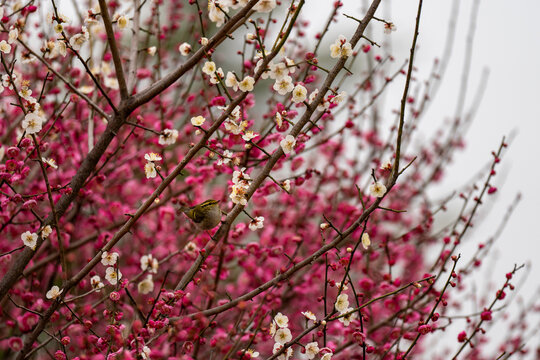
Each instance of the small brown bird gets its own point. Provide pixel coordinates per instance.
(206, 215)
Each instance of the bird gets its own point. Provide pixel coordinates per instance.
(206, 215)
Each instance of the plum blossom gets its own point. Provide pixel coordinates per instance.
(168, 137)
(278, 71)
(32, 123)
(257, 223)
(216, 76)
(377, 189)
(288, 144)
(389, 28)
(217, 11)
(149, 262)
(209, 68)
(341, 48)
(29, 239)
(283, 85)
(327, 356)
(309, 315)
(150, 170)
(96, 283)
(145, 353)
(283, 336)
(112, 275)
(5, 47)
(197, 120)
(77, 40)
(225, 158)
(249, 135)
(49, 162)
(312, 349)
(281, 320)
(246, 84)
(13, 35)
(346, 320)
(366, 241)
(122, 21)
(240, 186)
(287, 185)
(299, 94)
(252, 353)
(152, 157)
(184, 49)
(286, 355)
(265, 6)
(54, 292)
(109, 259)
(47, 230)
(342, 303)
(146, 286)
(231, 81)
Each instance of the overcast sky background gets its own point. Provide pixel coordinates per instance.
(507, 42)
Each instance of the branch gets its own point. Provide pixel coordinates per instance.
(114, 49)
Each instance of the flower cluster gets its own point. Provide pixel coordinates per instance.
(240, 187)
(245, 107)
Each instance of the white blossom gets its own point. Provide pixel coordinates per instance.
(168, 137)
(249, 135)
(283, 85)
(225, 158)
(122, 21)
(246, 84)
(54, 292)
(184, 49)
(283, 335)
(216, 76)
(312, 349)
(151, 50)
(309, 315)
(149, 262)
(152, 157)
(346, 320)
(47, 230)
(286, 355)
(288, 144)
(281, 320)
(32, 123)
(109, 259)
(389, 27)
(13, 35)
(278, 71)
(5, 47)
(209, 67)
(231, 81)
(29, 239)
(150, 170)
(265, 6)
(112, 275)
(146, 286)
(341, 48)
(342, 303)
(299, 94)
(366, 241)
(96, 283)
(377, 189)
(197, 120)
